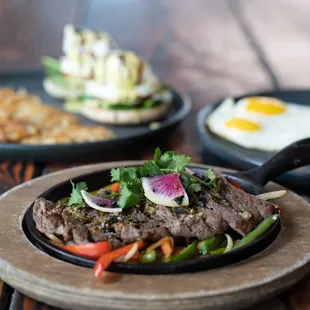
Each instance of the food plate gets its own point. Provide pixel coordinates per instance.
(59, 191)
(241, 158)
(251, 182)
(69, 286)
(124, 135)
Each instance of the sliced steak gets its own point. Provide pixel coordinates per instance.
(249, 207)
(217, 210)
(78, 226)
(48, 217)
(55, 219)
(200, 224)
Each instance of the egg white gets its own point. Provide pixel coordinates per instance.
(76, 68)
(148, 86)
(276, 132)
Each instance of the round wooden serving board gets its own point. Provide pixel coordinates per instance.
(55, 282)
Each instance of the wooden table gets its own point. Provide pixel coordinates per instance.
(209, 49)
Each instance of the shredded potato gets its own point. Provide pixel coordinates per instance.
(25, 119)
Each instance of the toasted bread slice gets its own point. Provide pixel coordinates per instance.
(59, 92)
(125, 117)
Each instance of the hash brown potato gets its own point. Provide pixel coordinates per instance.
(25, 119)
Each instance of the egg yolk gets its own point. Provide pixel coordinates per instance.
(264, 105)
(242, 124)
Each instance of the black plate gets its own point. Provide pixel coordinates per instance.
(125, 135)
(242, 158)
(103, 177)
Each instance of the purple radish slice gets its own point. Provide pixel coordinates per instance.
(166, 190)
(98, 203)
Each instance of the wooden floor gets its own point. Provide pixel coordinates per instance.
(209, 49)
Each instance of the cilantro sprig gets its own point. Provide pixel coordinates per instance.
(193, 184)
(171, 161)
(130, 179)
(168, 162)
(76, 198)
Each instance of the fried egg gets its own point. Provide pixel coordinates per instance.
(262, 123)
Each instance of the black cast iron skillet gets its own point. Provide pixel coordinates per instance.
(252, 181)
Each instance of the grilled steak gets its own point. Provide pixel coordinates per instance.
(216, 210)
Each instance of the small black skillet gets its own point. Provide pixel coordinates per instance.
(252, 181)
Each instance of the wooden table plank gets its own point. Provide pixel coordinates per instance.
(20, 301)
(33, 28)
(299, 295)
(12, 174)
(282, 30)
(5, 295)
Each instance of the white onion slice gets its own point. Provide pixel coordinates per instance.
(54, 239)
(230, 243)
(88, 198)
(119, 259)
(190, 171)
(271, 195)
(131, 252)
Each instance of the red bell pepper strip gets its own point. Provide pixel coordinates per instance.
(167, 247)
(106, 259)
(89, 250)
(234, 183)
(115, 187)
(166, 244)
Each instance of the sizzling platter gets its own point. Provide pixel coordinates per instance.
(163, 216)
(155, 266)
(67, 285)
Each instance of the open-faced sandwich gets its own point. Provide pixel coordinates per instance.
(160, 211)
(66, 77)
(103, 83)
(124, 91)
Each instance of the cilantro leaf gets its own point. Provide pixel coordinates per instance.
(211, 177)
(149, 169)
(76, 198)
(115, 175)
(157, 155)
(173, 161)
(130, 178)
(131, 187)
(128, 198)
(185, 181)
(123, 174)
(194, 187)
(128, 175)
(136, 187)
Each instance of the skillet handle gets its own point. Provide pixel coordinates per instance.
(293, 156)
